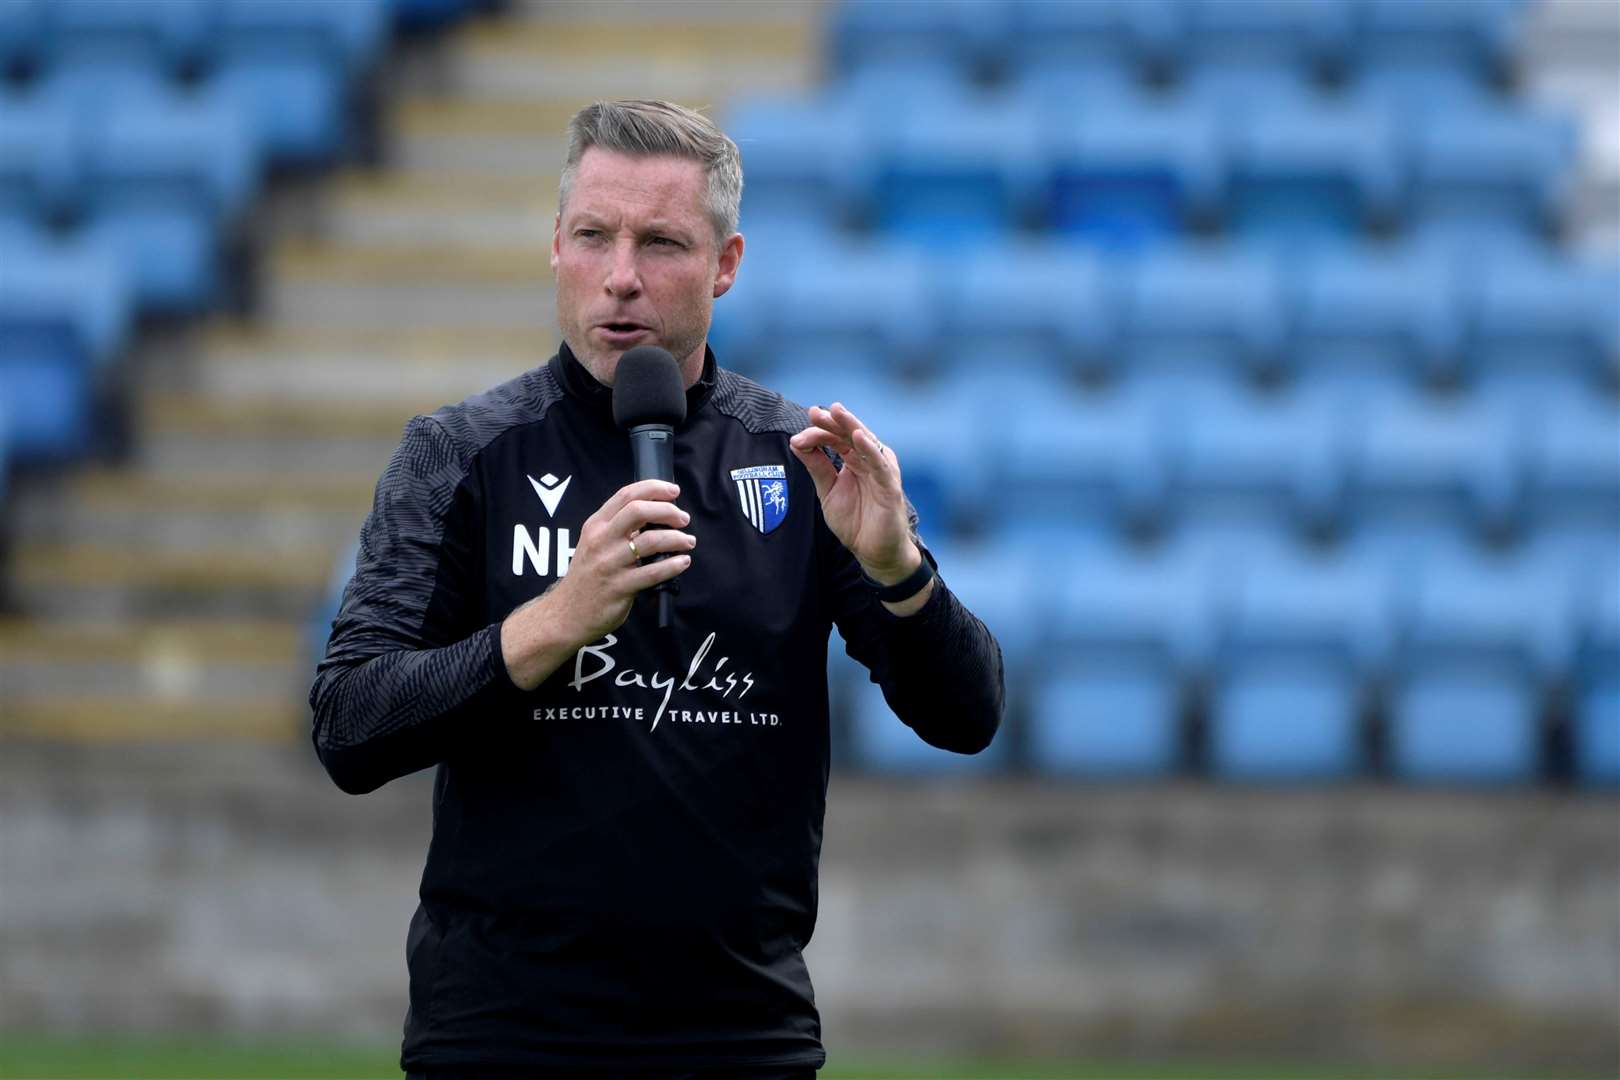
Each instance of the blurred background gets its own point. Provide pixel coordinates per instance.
(1255, 367)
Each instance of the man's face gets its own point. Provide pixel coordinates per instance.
(637, 262)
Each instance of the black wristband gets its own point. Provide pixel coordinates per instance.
(903, 590)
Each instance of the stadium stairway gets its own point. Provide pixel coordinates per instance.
(171, 596)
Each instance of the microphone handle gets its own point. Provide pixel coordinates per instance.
(652, 454)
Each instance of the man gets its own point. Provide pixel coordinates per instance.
(627, 820)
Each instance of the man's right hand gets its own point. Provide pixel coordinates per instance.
(604, 576)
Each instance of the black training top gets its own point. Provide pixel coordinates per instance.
(623, 864)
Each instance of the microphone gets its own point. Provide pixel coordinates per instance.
(648, 401)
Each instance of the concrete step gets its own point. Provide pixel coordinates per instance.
(488, 211)
(110, 582)
(218, 662)
(409, 287)
(699, 63)
(189, 437)
(129, 717)
(439, 364)
(162, 513)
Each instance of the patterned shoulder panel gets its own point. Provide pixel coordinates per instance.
(758, 409)
(479, 420)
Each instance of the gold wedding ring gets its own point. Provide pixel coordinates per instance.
(635, 556)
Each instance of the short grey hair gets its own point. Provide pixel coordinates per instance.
(643, 128)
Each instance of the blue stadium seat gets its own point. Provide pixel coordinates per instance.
(1214, 310)
(1092, 462)
(62, 315)
(966, 36)
(39, 168)
(1534, 312)
(1301, 635)
(1574, 461)
(1050, 303)
(162, 181)
(1128, 628)
(1307, 172)
(1489, 170)
(857, 293)
(1261, 44)
(803, 157)
(1105, 717)
(291, 65)
(1280, 458)
(1423, 46)
(1461, 723)
(1419, 461)
(22, 35)
(1137, 34)
(1375, 315)
(1132, 174)
(169, 37)
(956, 172)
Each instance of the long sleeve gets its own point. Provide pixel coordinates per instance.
(409, 668)
(940, 668)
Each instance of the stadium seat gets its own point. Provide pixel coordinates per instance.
(1130, 174)
(1140, 35)
(1279, 458)
(1426, 461)
(1285, 719)
(162, 181)
(168, 37)
(1488, 170)
(1426, 42)
(1358, 315)
(955, 173)
(1047, 302)
(857, 293)
(1574, 462)
(1095, 461)
(291, 66)
(803, 158)
(967, 36)
(1532, 312)
(1308, 172)
(1120, 602)
(1464, 724)
(62, 315)
(1240, 46)
(39, 168)
(1204, 309)
(1105, 717)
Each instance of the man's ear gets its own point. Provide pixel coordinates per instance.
(556, 240)
(731, 253)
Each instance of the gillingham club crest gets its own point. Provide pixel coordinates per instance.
(762, 492)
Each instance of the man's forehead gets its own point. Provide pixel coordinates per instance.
(607, 179)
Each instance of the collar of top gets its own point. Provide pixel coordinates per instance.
(582, 386)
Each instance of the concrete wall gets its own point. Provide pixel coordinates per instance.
(233, 889)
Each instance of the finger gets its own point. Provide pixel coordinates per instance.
(870, 452)
(821, 470)
(662, 542)
(648, 490)
(814, 437)
(641, 578)
(640, 513)
(825, 420)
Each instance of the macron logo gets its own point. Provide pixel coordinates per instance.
(550, 490)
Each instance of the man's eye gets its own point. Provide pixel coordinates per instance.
(665, 241)
(587, 234)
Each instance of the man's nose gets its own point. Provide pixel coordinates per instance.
(623, 279)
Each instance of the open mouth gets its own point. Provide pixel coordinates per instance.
(622, 327)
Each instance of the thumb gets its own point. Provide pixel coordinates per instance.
(818, 466)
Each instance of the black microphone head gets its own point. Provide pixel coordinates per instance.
(647, 388)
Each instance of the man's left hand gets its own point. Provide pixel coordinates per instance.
(863, 503)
